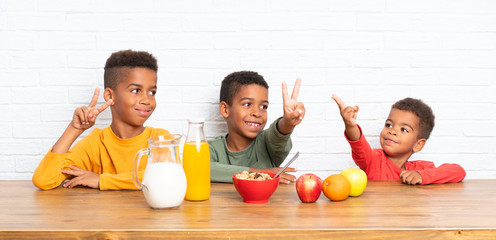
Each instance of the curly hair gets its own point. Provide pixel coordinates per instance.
(233, 82)
(120, 63)
(421, 110)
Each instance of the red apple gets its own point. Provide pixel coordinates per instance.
(309, 187)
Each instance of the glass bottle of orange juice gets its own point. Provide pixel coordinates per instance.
(196, 162)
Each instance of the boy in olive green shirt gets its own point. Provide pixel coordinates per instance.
(247, 147)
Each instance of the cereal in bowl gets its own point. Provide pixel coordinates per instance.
(258, 176)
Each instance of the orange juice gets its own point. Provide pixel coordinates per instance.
(196, 165)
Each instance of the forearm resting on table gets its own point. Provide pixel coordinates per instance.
(446, 173)
(48, 174)
(119, 181)
(223, 172)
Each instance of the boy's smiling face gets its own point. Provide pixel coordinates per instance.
(399, 136)
(134, 97)
(247, 115)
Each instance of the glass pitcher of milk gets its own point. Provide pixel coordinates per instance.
(164, 181)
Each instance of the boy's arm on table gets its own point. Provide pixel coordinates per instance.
(119, 181)
(48, 174)
(220, 169)
(284, 176)
(445, 173)
(223, 172)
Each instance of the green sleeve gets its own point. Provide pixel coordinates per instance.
(278, 144)
(221, 172)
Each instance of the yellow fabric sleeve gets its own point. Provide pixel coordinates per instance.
(101, 152)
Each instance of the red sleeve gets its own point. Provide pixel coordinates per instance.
(360, 151)
(446, 173)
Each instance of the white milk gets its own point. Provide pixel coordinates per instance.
(164, 184)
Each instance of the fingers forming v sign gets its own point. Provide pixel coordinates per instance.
(292, 108)
(348, 113)
(95, 111)
(85, 117)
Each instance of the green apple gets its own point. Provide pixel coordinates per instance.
(357, 179)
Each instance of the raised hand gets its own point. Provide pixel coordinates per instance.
(85, 117)
(81, 177)
(348, 113)
(294, 111)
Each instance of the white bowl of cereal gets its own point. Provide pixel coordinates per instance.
(255, 187)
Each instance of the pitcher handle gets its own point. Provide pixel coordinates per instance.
(139, 154)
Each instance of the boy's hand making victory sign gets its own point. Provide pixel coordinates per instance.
(84, 117)
(294, 111)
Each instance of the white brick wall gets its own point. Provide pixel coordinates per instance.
(369, 52)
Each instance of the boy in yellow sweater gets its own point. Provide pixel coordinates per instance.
(105, 157)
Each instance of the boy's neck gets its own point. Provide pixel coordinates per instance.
(400, 161)
(237, 144)
(125, 131)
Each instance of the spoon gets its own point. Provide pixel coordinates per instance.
(287, 164)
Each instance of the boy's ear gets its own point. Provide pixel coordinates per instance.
(224, 109)
(419, 145)
(108, 94)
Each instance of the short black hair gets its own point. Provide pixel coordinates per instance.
(120, 63)
(421, 110)
(233, 82)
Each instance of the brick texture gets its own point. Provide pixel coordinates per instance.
(369, 52)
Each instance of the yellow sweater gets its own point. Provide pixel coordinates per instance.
(101, 152)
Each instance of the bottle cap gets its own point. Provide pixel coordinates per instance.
(196, 120)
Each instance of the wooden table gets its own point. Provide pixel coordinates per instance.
(387, 210)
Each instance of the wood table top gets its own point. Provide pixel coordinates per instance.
(387, 209)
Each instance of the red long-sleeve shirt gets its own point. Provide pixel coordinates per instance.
(378, 167)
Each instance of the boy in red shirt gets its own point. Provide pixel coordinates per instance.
(405, 132)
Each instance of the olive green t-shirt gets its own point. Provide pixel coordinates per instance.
(269, 149)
